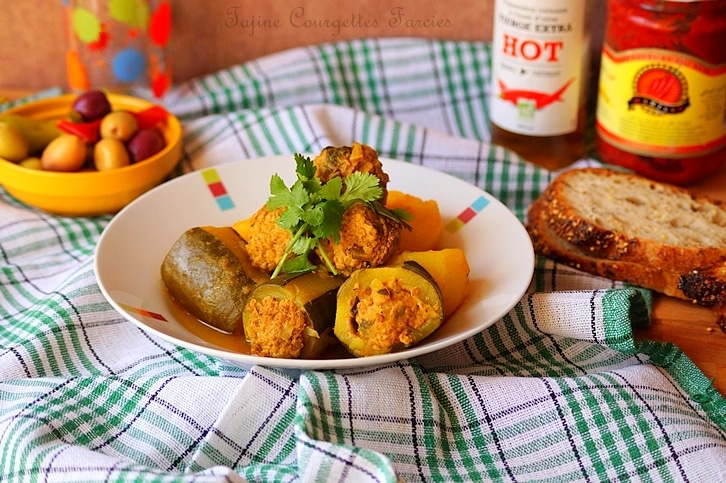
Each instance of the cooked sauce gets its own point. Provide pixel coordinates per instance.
(234, 342)
(225, 340)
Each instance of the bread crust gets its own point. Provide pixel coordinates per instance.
(548, 244)
(705, 286)
(589, 231)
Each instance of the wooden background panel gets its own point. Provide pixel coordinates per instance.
(237, 31)
(213, 34)
(32, 43)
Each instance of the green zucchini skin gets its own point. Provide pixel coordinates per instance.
(387, 309)
(208, 274)
(292, 316)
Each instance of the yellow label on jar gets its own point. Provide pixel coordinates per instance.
(657, 102)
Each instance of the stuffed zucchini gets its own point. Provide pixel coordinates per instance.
(292, 315)
(387, 309)
(208, 273)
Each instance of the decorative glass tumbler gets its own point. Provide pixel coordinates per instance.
(117, 45)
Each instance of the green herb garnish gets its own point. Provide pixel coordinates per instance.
(314, 211)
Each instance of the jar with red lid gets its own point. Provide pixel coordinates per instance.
(661, 107)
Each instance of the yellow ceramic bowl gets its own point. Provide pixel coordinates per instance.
(90, 193)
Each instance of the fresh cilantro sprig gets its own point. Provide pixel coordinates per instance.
(314, 211)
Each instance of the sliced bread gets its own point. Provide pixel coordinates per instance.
(548, 244)
(623, 216)
(626, 245)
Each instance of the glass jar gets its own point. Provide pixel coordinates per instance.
(117, 45)
(661, 108)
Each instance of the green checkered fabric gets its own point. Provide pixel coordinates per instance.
(557, 390)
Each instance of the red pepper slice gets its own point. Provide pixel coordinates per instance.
(88, 131)
(150, 117)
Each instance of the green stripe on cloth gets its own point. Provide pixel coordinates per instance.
(556, 390)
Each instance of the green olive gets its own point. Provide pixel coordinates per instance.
(110, 153)
(31, 163)
(13, 144)
(67, 152)
(119, 125)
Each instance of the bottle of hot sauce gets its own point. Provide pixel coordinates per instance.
(661, 107)
(539, 78)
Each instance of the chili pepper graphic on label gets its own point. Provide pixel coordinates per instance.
(541, 99)
(660, 90)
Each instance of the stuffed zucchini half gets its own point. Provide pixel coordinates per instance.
(387, 309)
(292, 315)
(208, 273)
